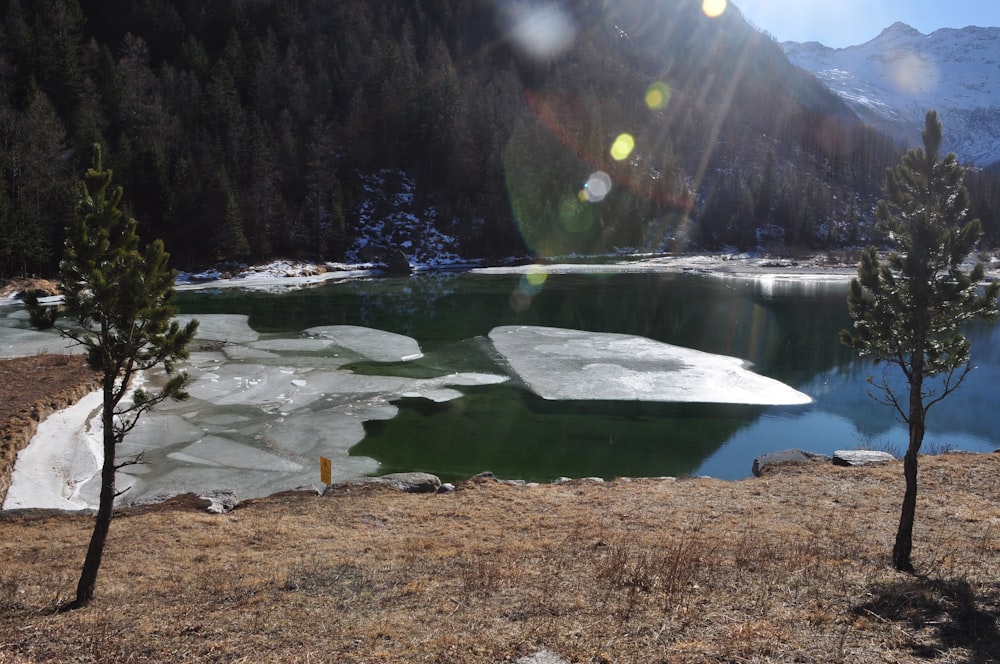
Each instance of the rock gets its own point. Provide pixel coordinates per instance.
(396, 262)
(768, 461)
(221, 500)
(412, 482)
(860, 457)
(447, 487)
(485, 475)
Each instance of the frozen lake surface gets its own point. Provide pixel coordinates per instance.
(261, 412)
(530, 374)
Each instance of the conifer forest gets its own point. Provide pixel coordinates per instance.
(244, 130)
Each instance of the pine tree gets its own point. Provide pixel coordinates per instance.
(909, 309)
(120, 300)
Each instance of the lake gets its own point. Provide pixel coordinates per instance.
(786, 329)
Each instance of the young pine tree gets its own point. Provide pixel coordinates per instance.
(909, 309)
(120, 300)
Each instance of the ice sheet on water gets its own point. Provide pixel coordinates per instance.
(232, 328)
(376, 345)
(292, 345)
(566, 364)
(466, 378)
(438, 395)
(257, 420)
(243, 353)
(219, 451)
(235, 383)
(328, 432)
(158, 429)
(15, 342)
(13, 317)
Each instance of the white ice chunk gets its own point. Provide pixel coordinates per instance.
(245, 384)
(293, 345)
(205, 359)
(247, 353)
(468, 378)
(439, 395)
(576, 365)
(310, 435)
(232, 328)
(376, 345)
(218, 451)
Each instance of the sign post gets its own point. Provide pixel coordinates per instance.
(325, 470)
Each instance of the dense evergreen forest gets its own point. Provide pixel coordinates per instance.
(250, 129)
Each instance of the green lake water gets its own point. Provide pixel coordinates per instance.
(786, 329)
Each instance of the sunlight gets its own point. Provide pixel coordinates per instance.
(622, 147)
(713, 8)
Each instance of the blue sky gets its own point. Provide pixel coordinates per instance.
(840, 23)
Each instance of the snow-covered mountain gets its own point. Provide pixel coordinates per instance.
(892, 80)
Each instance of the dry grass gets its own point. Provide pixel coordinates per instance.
(789, 567)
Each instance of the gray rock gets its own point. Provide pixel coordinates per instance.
(765, 461)
(412, 482)
(860, 457)
(222, 500)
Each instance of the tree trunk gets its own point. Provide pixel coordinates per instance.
(904, 534)
(102, 524)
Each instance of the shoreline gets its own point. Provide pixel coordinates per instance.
(298, 274)
(59, 434)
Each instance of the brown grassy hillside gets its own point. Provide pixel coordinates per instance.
(791, 567)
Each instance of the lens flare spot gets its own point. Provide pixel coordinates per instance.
(574, 215)
(714, 8)
(596, 188)
(658, 96)
(542, 32)
(536, 276)
(622, 147)
(912, 73)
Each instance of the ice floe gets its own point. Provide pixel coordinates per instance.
(18, 342)
(260, 413)
(558, 363)
(230, 328)
(375, 345)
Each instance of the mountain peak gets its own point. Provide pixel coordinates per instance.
(891, 81)
(899, 29)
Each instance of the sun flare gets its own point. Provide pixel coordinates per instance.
(713, 8)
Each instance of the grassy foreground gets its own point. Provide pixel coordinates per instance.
(789, 567)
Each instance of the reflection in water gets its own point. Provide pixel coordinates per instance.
(515, 434)
(786, 329)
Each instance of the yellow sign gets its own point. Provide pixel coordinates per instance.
(325, 470)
